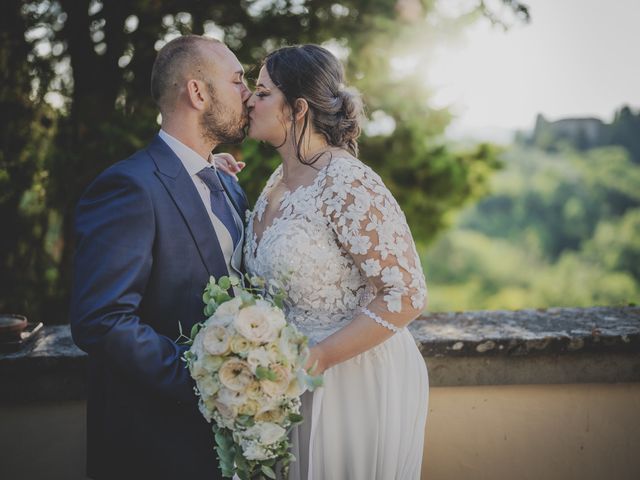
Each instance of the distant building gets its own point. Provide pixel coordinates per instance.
(582, 133)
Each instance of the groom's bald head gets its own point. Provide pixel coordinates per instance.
(179, 60)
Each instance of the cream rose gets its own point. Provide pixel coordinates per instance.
(216, 341)
(280, 385)
(235, 374)
(294, 389)
(254, 391)
(241, 345)
(275, 415)
(250, 407)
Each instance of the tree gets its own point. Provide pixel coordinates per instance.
(95, 57)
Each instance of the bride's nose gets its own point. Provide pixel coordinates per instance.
(251, 101)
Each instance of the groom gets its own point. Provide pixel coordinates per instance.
(150, 230)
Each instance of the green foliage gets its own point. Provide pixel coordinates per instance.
(98, 64)
(226, 451)
(558, 199)
(557, 230)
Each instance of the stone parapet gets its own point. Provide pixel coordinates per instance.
(549, 346)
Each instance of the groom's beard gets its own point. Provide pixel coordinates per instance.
(221, 126)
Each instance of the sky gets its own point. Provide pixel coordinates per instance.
(575, 58)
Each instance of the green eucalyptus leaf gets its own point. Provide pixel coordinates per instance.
(295, 418)
(221, 439)
(224, 283)
(278, 300)
(222, 297)
(241, 462)
(210, 309)
(195, 329)
(243, 474)
(206, 296)
(268, 471)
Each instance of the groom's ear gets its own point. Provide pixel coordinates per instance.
(196, 94)
(301, 107)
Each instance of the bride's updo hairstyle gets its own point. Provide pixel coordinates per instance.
(314, 74)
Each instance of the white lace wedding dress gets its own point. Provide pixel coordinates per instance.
(340, 244)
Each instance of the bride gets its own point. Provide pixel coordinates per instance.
(326, 227)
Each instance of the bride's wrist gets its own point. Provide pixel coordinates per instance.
(323, 358)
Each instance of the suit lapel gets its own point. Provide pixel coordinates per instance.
(176, 180)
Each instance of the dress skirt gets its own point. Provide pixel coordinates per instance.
(368, 420)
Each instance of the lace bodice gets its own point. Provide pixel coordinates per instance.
(338, 244)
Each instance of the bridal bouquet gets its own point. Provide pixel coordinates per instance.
(248, 365)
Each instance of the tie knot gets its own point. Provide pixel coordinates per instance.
(210, 178)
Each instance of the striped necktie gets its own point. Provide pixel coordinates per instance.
(219, 204)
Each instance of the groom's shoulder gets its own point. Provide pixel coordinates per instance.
(139, 167)
(135, 171)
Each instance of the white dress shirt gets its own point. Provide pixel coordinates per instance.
(193, 163)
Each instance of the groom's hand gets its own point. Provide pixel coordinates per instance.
(228, 164)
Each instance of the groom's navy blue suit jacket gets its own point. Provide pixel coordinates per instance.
(145, 248)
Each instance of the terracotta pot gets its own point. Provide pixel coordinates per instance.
(11, 326)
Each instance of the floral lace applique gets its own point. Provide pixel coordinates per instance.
(339, 244)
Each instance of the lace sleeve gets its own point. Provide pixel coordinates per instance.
(372, 229)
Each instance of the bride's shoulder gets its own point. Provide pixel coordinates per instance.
(347, 169)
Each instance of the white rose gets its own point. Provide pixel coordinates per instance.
(206, 408)
(235, 374)
(212, 363)
(267, 433)
(260, 357)
(228, 412)
(222, 421)
(208, 385)
(228, 402)
(252, 451)
(197, 369)
(275, 315)
(230, 397)
(259, 323)
(288, 343)
(225, 313)
(216, 340)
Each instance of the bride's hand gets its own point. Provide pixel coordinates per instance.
(316, 355)
(228, 164)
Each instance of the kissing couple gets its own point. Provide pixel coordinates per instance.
(151, 230)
